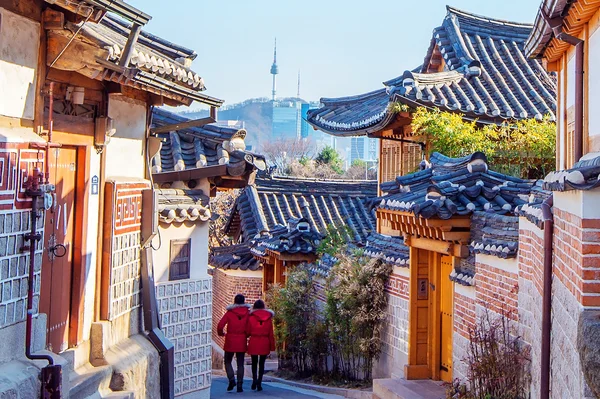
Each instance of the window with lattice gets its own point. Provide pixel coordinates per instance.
(179, 267)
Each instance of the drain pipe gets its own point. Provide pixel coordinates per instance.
(51, 375)
(548, 219)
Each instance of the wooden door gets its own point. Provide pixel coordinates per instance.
(446, 319)
(57, 270)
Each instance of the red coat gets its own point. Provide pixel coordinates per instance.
(235, 319)
(260, 330)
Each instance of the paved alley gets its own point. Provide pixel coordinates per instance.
(270, 390)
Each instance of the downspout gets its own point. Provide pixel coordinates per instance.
(548, 219)
(165, 348)
(51, 375)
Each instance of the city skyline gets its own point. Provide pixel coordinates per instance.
(341, 48)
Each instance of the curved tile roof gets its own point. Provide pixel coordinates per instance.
(234, 257)
(584, 175)
(271, 202)
(459, 186)
(179, 206)
(297, 237)
(198, 147)
(157, 63)
(486, 77)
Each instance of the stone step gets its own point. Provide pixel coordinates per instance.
(399, 388)
(89, 381)
(119, 395)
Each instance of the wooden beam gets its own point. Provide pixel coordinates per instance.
(190, 174)
(182, 125)
(441, 247)
(134, 33)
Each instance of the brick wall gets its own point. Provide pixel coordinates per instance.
(497, 288)
(464, 320)
(531, 247)
(577, 256)
(225, 287)
(14, 267)
(185, 308)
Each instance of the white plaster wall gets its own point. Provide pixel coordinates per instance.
(19, 44)
(92, 249)
(198, 233)
(594, 85)
(583, 204)
(124, 152)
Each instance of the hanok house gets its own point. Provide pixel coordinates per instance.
(78, 81)
(474, 65)
(278, 223)
(193, 163)
(566, 37)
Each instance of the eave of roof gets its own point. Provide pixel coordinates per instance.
(488, 79)
(576, 13)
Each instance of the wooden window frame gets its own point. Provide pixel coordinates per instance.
(172, 260)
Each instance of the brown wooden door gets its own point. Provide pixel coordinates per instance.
(59, 229)
(446, 320)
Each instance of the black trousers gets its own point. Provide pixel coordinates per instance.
(260, 361)
(240, 366)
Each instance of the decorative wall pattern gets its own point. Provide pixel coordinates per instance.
(185, 308)
(125, 276)
(14, 266)
(16, 163)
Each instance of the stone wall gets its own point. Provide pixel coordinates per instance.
(14, 267)
(531, 244)
(226, 284)
(185, 308)
(394, 351)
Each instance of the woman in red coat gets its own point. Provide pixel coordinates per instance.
(262, 341)
(235, 319)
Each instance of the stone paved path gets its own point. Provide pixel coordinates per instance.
(270, 390)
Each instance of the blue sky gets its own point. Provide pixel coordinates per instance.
(340, 47)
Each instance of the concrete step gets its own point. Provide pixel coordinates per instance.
(399, 388)
(119, 395)
(89, 381)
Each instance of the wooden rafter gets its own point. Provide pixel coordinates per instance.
(454, 230)
(182, 125)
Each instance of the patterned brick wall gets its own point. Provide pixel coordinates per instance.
(14, 267)
(398, 286)
(16, 163)
(185, 308)
(124, 215)
(225, 287)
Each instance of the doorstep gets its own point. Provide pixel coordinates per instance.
(399, 388)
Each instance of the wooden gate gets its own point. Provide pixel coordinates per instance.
(57, 270)
(446, 326)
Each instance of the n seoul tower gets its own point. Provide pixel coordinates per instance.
(274, 71)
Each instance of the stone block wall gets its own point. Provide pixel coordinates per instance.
(185, 308)
(125, 275)
(14, 266)
(225, 286)
(394, 350)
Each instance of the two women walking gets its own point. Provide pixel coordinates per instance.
(242, 323)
